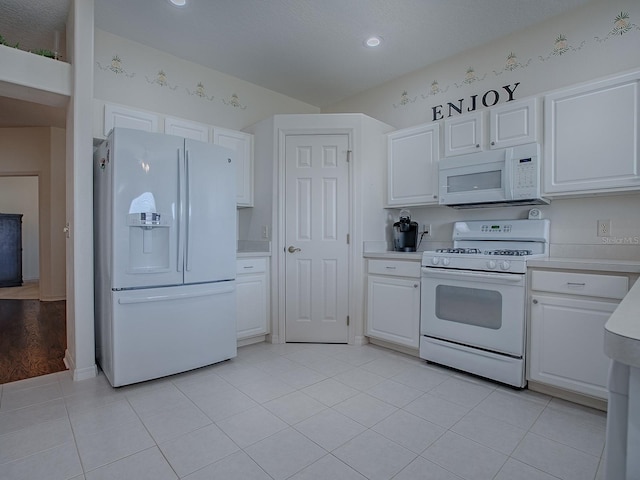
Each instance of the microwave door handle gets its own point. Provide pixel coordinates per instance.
(508, 174)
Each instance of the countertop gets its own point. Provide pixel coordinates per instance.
(565, 263)
(622, 330)
(602, 265)
(417, 256)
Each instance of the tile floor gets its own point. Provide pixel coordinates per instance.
(297, 412)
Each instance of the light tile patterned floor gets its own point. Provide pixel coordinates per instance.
(300, 412)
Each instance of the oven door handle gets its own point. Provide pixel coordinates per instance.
(506, 278)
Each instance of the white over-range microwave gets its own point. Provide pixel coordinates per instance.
(505, 176)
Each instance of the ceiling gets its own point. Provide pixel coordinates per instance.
(311, 50)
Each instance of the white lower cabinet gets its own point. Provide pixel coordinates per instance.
(567, 315)
(252, 295)
(393, 301)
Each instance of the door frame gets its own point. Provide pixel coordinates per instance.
(279, 239)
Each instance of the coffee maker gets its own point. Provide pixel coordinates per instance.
(405, 233)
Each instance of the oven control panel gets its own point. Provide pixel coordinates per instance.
(495, 228)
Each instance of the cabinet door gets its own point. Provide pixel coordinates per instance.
(242, 144)
(412, 170)
(567, 343)
(119, 116)
(393, 309)
(591, 137)
(463, 134)
(186, 129)
(513, 123)
(251, 297)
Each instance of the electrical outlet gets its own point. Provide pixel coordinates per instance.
(426, 229)
(265, 232)
(604, 228)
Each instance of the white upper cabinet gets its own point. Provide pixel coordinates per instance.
(592, 143)
(186, 128)
(412, 176)
(242, 144)
(463, 134)
(119, 116)
(513, 123)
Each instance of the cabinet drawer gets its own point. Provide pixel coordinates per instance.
(251, 265)
(605, 286)
(397, 268)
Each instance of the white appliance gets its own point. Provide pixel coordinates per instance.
(472, 312)
(504, 176)
(165, 254)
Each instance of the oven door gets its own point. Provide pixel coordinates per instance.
(479, 309)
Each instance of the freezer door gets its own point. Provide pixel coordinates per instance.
(210, 213)
(163, 331)
(146, 221)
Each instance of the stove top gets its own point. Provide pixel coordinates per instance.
(502, 246)
(477, 251)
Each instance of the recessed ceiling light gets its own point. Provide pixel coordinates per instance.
(179, 3)
(373, 41)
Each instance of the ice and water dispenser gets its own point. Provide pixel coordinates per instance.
(149, 236)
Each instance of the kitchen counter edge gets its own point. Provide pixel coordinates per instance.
(622, 330)
(252, 254)
(601, 265)
(415, 256)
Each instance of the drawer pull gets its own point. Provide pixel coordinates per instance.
(576, 284)
(415, 285)
(250, 266)
(390, 268)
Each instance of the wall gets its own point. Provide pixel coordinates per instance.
(40, 151)
(135, 75)
(540, 61)
(20, 195)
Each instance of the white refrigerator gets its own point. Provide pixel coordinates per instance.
(165, 255)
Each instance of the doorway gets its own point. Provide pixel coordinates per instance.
(316, 238)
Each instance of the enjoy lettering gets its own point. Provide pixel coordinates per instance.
(489, 99)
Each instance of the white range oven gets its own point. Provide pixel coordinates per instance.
(472, 313)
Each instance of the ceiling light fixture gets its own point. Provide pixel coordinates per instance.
(373, 41)
(178, 3)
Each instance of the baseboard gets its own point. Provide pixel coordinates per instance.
(360, 340)
(578, 398)
(393, 346)
(53, 298)
(79, 373)
(250, 341)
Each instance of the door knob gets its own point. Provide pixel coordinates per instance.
(293, 249)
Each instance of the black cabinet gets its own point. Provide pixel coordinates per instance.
(10, 249)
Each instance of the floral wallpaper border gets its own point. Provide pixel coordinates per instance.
(622, 25)
(161, 79)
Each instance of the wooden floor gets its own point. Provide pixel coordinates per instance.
(33, 336)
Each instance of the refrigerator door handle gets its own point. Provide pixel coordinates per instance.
(179, 296)
(179, 214)
(188, 212)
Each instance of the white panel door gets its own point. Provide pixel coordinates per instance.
(242, 144)
(186, 129)
(463, 134)
(412, 166)
(317, 255)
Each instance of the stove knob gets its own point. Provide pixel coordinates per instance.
(435, 260)
(504, 265)
(491, 264)
(445, 261)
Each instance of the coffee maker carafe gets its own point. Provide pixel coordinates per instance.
(405, 233)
